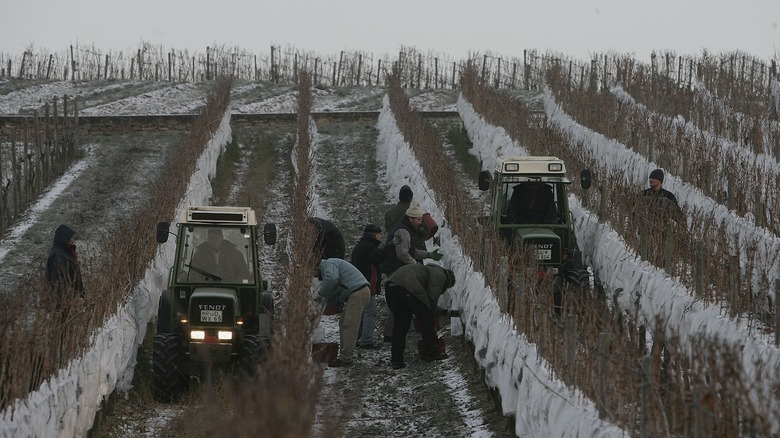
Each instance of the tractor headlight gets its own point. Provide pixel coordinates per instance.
(198, 335)
(224, 335)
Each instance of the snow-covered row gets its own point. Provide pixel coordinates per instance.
(758, 243)
(541, 404)
(638, 285)
(727, 153)
(44, 201)
(66, 404)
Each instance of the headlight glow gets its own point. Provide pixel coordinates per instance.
(198, 334)
(224, 336)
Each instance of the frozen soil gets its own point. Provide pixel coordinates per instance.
(445, 398)
(115, 178)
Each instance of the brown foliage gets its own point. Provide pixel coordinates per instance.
(41, 340)
(601, 349)
(281, 399)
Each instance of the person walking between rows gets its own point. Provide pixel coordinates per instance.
(414, 290)
(63, 272)
(660, 216)
(343, 286)
(661, 204)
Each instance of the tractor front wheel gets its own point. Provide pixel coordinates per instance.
(167, 381)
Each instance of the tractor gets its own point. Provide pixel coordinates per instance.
(529, 207)
(216, 312)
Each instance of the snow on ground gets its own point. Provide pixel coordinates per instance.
(66, 403)
(625, 275)
(543, 406)
(31, 215)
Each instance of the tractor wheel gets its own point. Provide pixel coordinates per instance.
(167, 381)
(164, 314)
(265, 320)
(253, 352)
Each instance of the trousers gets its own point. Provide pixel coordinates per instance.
(404, 305)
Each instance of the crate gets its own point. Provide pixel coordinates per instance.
(440, 347)
(436, 324)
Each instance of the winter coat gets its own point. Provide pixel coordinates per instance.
(329, 240)
(62, 267)
(426, 283)
(404, 253)
(367, 254)
(397, 214)
(663, 204)
(339, 279)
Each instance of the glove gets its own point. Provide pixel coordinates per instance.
(397, 239)
(435, 256)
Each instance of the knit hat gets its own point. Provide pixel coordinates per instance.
(415, 210)
(405, 195)
(657, 174)
(372, 229)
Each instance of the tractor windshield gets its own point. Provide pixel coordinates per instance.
(214, 254)
(531, 201)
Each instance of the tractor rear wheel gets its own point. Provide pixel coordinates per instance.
(252, 353)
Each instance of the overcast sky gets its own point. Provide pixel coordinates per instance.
(578, 28)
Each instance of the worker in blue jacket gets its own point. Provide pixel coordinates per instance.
(346, 289)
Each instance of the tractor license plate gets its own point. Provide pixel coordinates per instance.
(210, 316)
(543, 254)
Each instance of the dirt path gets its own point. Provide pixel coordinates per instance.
(116, 176)
(443, 398)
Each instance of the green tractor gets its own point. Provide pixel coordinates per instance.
(217, 311)
(530, 207)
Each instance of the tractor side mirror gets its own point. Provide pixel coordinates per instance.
(163, 230)
(269, 234)
(585, 179)
(484, 180)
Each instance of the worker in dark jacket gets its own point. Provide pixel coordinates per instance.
(414, 290)
(329, 241)
(401, 243)
(661, 204)
(62, 268)
(403, 237)
(367, 254)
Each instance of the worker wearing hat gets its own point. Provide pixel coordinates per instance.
(402, 240)
(659, 196)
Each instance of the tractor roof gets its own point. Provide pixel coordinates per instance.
(549, 166)
(218, 215)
